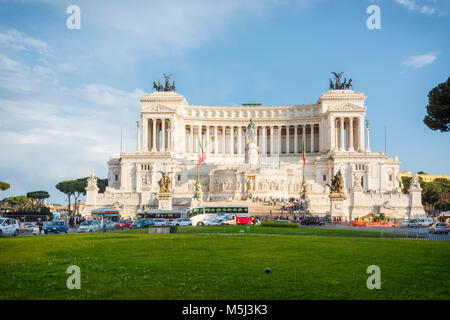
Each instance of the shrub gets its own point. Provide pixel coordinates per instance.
(279, 224)
(172, 229)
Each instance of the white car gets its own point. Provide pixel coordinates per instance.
(207, 219)
(159, 222)
(9, 226)
(180, 222)
(425, 222)
(89, 226)
(438, 227)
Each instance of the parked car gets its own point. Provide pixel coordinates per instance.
(159, 222)
(9, 226)
(438, 227)
(412, 224)
(425, 222)
(311, 221)
(404, 223)
(56, 226)
(180, 222)
(89, 226)
(141, 223)
(123, 224)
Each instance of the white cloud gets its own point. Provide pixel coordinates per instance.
(418, 5)
(20, 78)
(104, 95)
(420, 61)
(19, 41)
(51, 132)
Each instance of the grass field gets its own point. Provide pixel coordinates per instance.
(220, 263)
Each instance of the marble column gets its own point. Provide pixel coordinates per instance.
(312, 138)
(264, 140)
(287, 139)
(224, 139)
(169, 135)
(216, 140)
(231, 139)
(154, 134)
(207, 149)
(295, 139)
(367, 136)
(279, 140)
(361, 133)
(271, 140)
(239, 145)
(350, 130)
(341, 137)
(144, 134)
(319, 138)
(191, 138)
(163, 135)
(332, 126)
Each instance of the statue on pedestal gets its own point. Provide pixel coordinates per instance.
(337, 183)
(251, 147)
(165, 184)
(92, 180)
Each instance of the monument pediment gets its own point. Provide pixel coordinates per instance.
(347, 107)
(159, 108)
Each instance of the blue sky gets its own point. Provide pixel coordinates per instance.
(64, 94)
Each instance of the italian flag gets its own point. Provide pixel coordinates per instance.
(201, 153)
(304, 159)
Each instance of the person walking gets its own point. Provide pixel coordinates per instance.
(39, 224)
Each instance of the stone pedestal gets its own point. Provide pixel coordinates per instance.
(337, 205)
(165, 200)
(196, 202)
(252, 156)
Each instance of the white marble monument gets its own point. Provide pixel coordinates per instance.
(261, 142)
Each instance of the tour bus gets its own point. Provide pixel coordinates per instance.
(161, 214)
(107, 213)
(228, 214)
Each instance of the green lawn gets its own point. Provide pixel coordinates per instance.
(214, 265)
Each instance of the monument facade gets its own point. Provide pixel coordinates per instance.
(256, 151)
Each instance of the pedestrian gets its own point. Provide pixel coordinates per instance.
(39, 224)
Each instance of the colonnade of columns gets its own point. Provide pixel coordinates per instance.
(157, 135)
(271, 139)
(348, 133)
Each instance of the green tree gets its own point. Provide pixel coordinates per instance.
(438, 109)
(77, 187)
(20, 203)
(38, 197)
(4, 186)
(66, 187)
(406, 181)
(431, 193)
